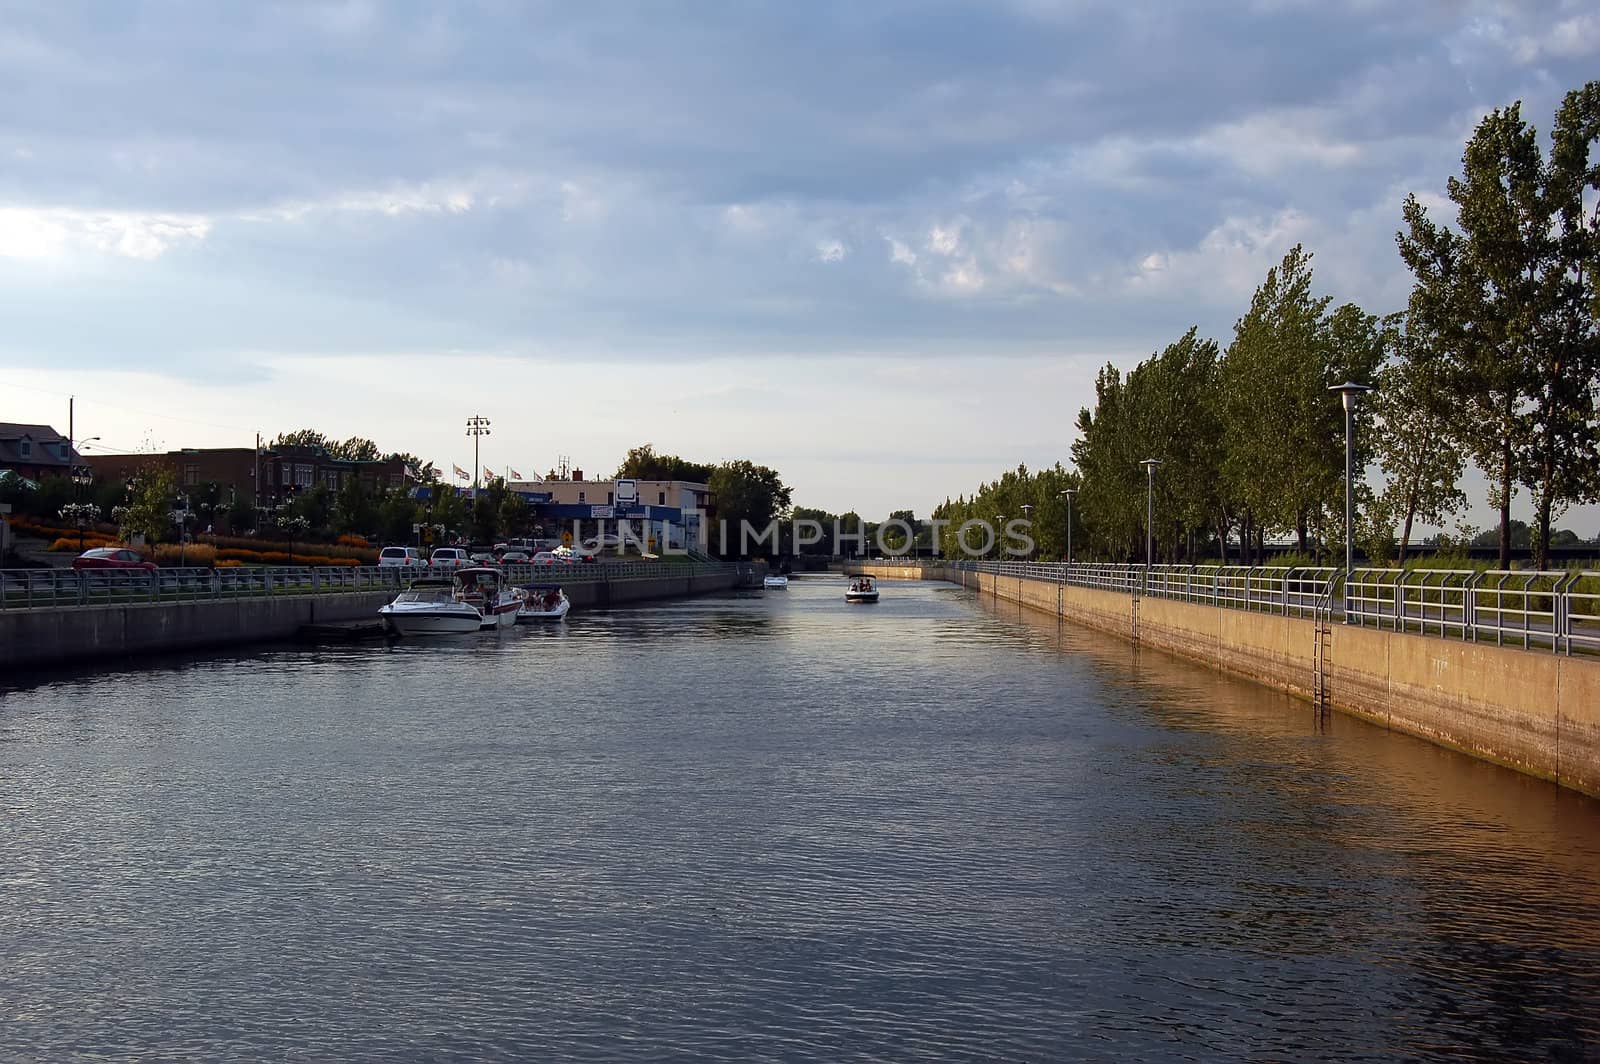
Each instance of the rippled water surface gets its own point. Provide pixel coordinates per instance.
(769, 828)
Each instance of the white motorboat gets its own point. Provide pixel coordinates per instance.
(775, 581)
(542, 602)
(861, 589)
(467, 601)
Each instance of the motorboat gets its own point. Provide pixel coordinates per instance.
(484, 588)
(468, 600)
(775, 581)
(542, 602)
(430, 607)
(861, 589)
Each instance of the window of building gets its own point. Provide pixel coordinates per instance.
(611, 498)
(305, 474)
(66, 451)
(330, 477)
(191, 475)
(286, 473)
(25, 448)
(580, 496)
(661, 498)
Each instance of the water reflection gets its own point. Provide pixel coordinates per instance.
(771, 827)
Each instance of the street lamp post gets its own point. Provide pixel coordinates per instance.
(999, 524)
(1150, 511)
(81, 478)
(477, 427)
(1068, 495)
(1027, 515)
(1349, 392)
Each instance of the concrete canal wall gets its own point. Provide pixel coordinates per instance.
(1530, 710)
(33, 638)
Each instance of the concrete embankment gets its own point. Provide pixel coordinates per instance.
(1534, 711)
(34, 638)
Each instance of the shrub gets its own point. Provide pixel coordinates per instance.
(229, 563)
(349, 539)
(195, 554)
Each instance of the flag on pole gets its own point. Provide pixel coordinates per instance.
(488, 474)
(515, 475)
(412, 473)
(461, 474)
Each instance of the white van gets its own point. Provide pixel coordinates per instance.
(400, 557)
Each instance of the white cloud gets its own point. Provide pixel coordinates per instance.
(50, 233)
(899, 252)
(830, 251)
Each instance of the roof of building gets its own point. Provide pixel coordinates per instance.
(11, 433)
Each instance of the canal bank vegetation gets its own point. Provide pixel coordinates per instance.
(1495, 360)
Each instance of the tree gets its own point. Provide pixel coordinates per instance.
(747, 493)
(1421, 459)
(315, 506)
(355, 449)
(150, 499)
(354, 509)
(1511, 300)
(301, 438)
(643, 463)
(397, 512)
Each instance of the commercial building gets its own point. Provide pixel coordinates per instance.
(671, 514)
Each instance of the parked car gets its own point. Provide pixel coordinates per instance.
(481, 557)
(450, 558)
(514, 557)
(544, 557)
(603, 541)
(111, 558)
(390, 557)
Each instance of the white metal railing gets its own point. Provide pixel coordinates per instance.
(47, 588)
(1557, 610)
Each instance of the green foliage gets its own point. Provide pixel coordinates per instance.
(301, 438)
(643, 463)
(314, 505)
(746, 492)
(1511, 298)
(1006, 499)
(354, 509)
(150, 502)
(397, 512)
(1414, 440)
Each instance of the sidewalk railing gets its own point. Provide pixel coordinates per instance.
(1557, 610)
(44, 588)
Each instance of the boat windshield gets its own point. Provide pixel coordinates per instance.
(425, 594)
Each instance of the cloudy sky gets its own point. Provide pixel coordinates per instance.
(882, 247)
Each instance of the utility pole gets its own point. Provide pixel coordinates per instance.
(477, 426)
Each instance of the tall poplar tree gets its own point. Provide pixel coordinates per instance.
(1510, 300)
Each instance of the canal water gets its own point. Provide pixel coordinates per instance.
(769, 827)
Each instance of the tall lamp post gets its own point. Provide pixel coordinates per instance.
(1027, 515)
(999, 524)
(477, 427)
(1150, 511)
(1068, 495)
(1349, 392)
(81, 479)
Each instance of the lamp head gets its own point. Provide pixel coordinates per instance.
(1349, 392)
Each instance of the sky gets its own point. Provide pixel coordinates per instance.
(881, 247)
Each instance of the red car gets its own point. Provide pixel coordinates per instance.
(111, 558)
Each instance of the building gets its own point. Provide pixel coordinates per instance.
(673, 513)
(35, 451)
(284, 471)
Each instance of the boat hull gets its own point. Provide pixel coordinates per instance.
(861, 596)
(431, 622)
(527, 616)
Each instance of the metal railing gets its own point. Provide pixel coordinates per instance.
(1557, 610)
(47, 588)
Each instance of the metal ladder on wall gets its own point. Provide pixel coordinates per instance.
(1133, 614)
(1322, 641)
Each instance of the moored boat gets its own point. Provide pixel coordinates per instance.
(775, 581)
(542, 602)
(861, 589)
(466, 601)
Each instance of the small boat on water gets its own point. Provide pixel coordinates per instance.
(861, 589)
(466, 601)
(775, 581)
(542, 602)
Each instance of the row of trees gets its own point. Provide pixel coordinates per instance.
(1496, 359)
